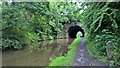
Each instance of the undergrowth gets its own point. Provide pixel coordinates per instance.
(95, 53)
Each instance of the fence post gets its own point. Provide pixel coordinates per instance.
(109, 47)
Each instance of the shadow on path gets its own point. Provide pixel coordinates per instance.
(82, 57)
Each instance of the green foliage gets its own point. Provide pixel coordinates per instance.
(31, 37)
(68, 58)
(98, 17)
(28, 22)
(102, 25)
(24, 24)
(65, 12)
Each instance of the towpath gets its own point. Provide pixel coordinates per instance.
(83, 58)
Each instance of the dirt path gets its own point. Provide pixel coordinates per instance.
(82, 57)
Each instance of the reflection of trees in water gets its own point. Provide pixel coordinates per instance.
(46, 51)
(55, 47)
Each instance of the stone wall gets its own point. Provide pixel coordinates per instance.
(66, 27)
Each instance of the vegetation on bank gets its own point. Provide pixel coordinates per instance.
(101, 22)
(25, 23)
(68, 58)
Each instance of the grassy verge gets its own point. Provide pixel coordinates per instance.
(68, 58)
(95, 53)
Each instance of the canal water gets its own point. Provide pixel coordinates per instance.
(36, 55)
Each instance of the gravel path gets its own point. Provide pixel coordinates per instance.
(82, 57)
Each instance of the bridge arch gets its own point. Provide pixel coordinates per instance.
(72, 31)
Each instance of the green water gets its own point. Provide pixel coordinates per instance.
(36, 55)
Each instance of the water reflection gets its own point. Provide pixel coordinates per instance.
(36, 55)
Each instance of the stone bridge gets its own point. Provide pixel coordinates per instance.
(71, 30)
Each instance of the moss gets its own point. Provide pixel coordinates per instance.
(68, 58)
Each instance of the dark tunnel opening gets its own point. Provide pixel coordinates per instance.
(72, 31)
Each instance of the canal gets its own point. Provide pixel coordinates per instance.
(36, 55)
